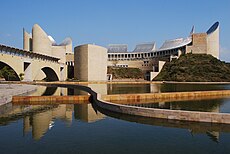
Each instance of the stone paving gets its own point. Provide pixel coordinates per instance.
(9, 90)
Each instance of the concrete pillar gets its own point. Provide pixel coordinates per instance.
(91, 63)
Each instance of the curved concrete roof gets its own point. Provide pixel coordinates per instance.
(145, 47)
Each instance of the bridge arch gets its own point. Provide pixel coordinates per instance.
(51, 75)
(12, 75)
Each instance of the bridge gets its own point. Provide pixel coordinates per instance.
(33, 66)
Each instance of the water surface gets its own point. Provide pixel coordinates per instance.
(76, 128)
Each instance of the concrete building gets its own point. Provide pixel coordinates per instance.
(39, 42)
(147, 56)
(90, 63)
(41, 58)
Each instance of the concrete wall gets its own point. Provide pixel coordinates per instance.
(69, 49)
(145, 65)
(90, 63)
(59, 51)
(27, 44)
(160, 66)
(203, 43)
(41, 42)
(213, 45)
(81, 62)
(199, 44)
(70, 57)
(97, 63)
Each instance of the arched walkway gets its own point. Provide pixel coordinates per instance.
(50, 74)
(8, 72)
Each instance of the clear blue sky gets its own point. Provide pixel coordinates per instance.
(106, 22)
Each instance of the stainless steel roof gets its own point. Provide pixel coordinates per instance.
(176, 43)
(117, 48)
(145, 47)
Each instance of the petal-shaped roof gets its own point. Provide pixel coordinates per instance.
(176, 43)
(117, 48)
(145, 47)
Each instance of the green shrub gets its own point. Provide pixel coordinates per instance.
(195, 67)
(121, 73)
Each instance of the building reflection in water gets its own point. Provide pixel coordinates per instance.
(39, 119)
(40, 123)
(49, 91)
(102, 89)
(86, 113)
(194, 105)
(212, 130)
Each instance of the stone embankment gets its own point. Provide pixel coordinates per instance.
(7, 91)
(127, 98)
(100, 101)
(41, 100)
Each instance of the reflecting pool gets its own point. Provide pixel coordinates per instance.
(164, 87)
(109, 89)
(76, 128)
(79, 128)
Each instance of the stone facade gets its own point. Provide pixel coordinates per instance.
(199, 44)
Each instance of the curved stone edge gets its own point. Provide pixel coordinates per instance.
(195, 116)
(166, 114)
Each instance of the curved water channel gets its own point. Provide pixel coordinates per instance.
(76, 128)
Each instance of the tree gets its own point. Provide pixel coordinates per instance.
(7, 73)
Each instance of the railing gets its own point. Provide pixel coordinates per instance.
(26, 54)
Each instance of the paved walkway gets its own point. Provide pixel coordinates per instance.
(9, 90)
